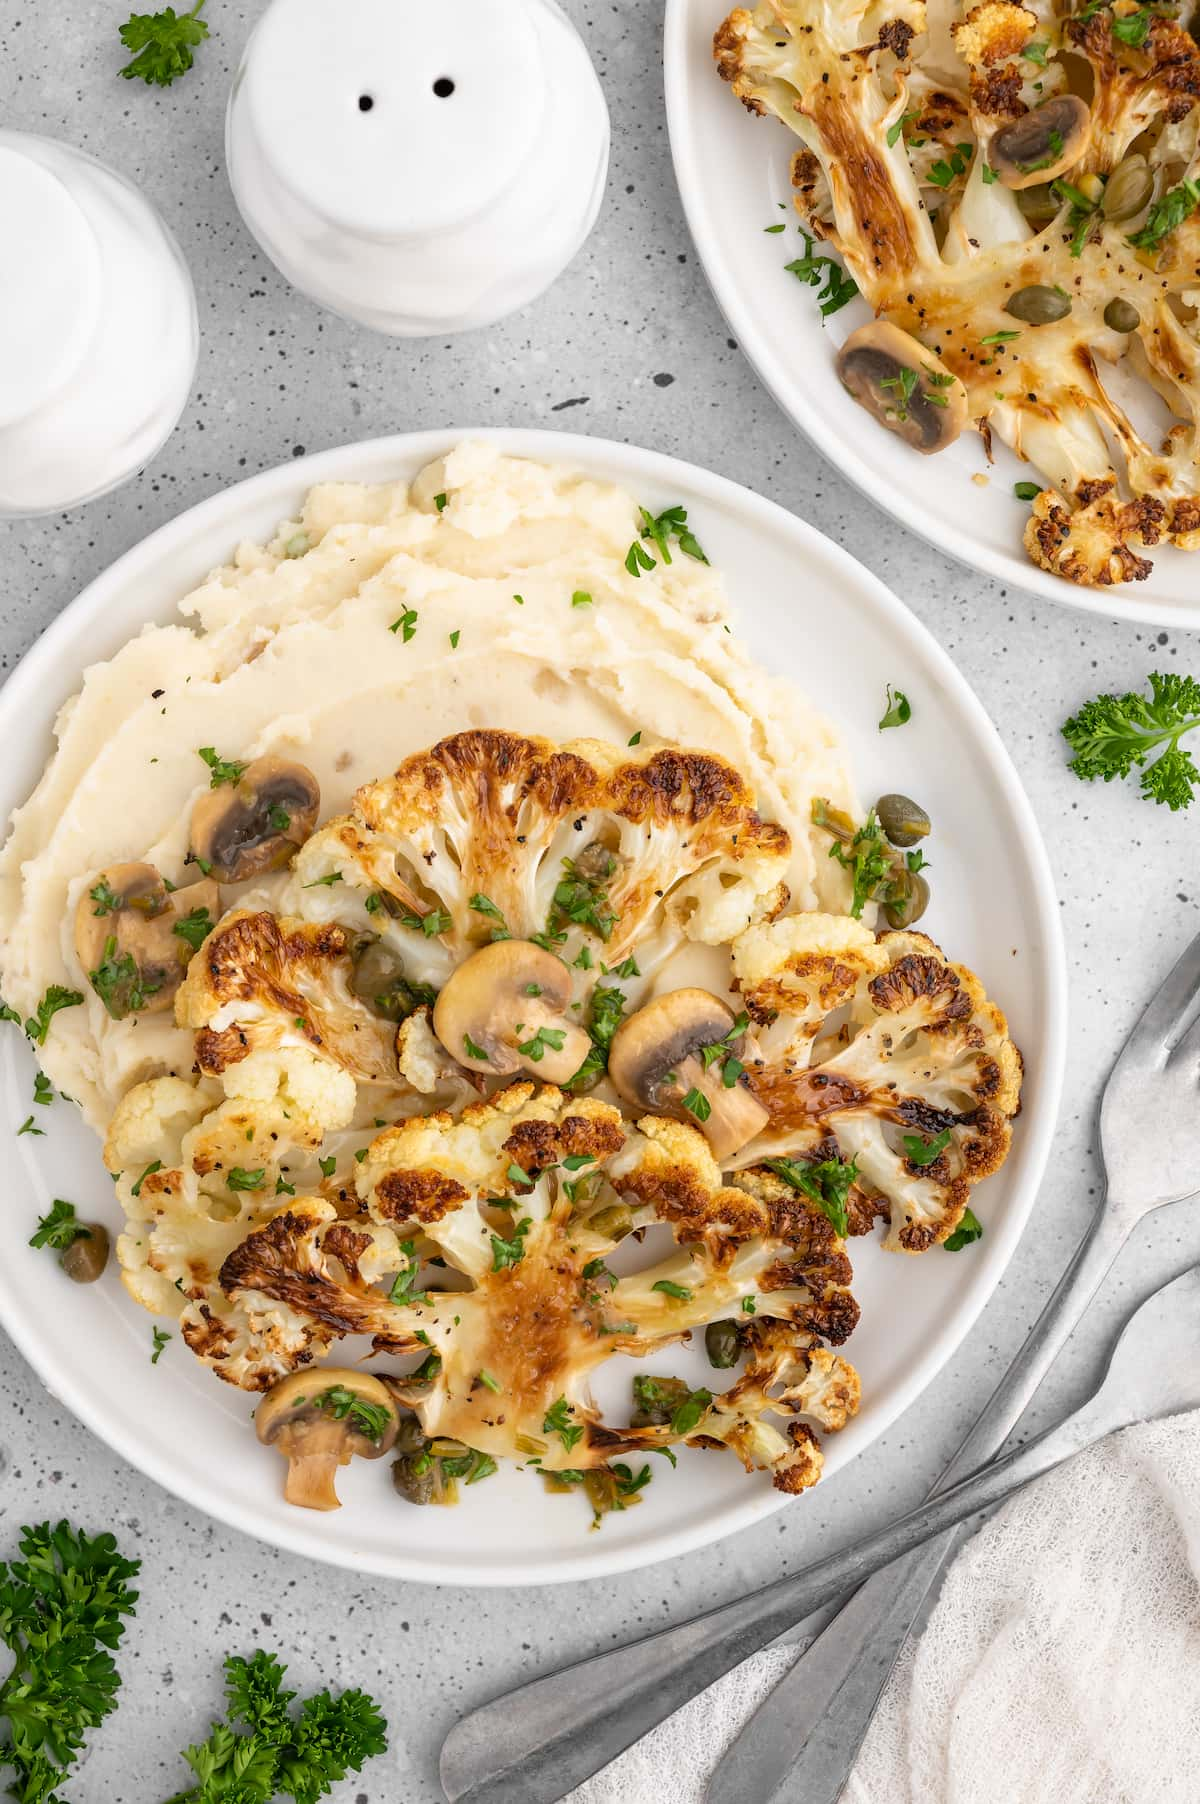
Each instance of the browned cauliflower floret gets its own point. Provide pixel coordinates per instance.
(1089, 542)
(907, 1109)
(489, 834)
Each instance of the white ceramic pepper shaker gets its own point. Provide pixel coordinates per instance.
(97, 327)
(422, 169)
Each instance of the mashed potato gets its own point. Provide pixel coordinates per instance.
(492, 592)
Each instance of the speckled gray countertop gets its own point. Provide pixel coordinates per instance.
(628, 345)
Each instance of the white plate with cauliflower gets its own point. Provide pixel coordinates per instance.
(478, 920)
(1015, 191)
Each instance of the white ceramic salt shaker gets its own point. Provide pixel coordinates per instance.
(98, 331)
(422, 169)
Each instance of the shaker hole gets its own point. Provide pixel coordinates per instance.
(443, 87)
(365, 103)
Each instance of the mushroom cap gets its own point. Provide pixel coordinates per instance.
(254, 826)
(1043, 143)
(134, 916)
(319, 1420)
(655, 1060)
(507, 996)
(928, 409)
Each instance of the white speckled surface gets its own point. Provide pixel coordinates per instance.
(628, 345)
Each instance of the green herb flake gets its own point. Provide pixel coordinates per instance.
(241, 1179)
(194, 928)
(921, 1152)
(222, 771)
(679, 1292)
(161, 1337)
(154, 1165)
(59, 1228)
(899, 710)
(969, 1228)
(835, 287)
(1026, 491)
(825, 1182)
(57, 997)
(558, 1421)
(511, 1251)
(690, 1411)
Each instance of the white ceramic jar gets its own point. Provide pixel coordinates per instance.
(98, 331)
(422, 169)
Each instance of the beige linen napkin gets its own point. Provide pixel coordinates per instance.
(1061, 1664)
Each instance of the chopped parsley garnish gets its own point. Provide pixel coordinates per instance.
(775, 228)
(284, 1189)
(669, 1288)
(516, 1174)
(59, 1228)
(511, 1251)
(581, 599)
(194, 928)
(637, 558)
(325, 882)
(904, 382)
(1082, 216)
(899, 709)
(402, 1292)
(1055, 142)
(1036, 53)
(161, 1337)
(28, 1127)
(439, 501)
(278, 818)
(328, 1166)
(635, 738)
(221, 770)
(106, 899)
(826, 1182)
(535, 1047)
(56, 997)
(1113, 734)
(1132, 28)
(431, 924)
(660, 529)
(154, 1165)
(894, 130)
(697, 1104)
(455, 636)
(597, 1272)
(406, 625)
(999, 338)
(1167, 214)
(690, 1412)
(583, 900)
(969, 1228)
(866, 856)
(241, 1179)
(371, 1419)
(483, 905)
(943, 172)
(989, 175)
(472, 1051)
(162, 43)
(922, 1152)
(607, 1009)
(827, 275)
(43, 1089)
(557, 1420)
(1026, 491)
(120, 983)
(747, 1305)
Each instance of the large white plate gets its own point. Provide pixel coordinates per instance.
(732, 170)
(806, 607)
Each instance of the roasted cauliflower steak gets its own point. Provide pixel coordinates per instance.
(1020, 195)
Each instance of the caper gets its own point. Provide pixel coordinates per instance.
(595, 864)
(722, 1343)
(1038, 305)
(903, 820)
(1129, 187)
(86, 1257)
(378, 979)
(908, 907)
(1039, 203)
(410, 1436)
(415, 1477)
(614, 1222)
(1122, 316)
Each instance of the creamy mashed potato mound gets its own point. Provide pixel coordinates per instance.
(490, 592)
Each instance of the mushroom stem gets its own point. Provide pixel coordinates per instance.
(736, 1113)
(310, 1476)
(672, 1057)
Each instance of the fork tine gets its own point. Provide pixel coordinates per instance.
(1169, 1002)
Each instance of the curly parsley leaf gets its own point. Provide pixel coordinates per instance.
(163, 42)
(1111, 734)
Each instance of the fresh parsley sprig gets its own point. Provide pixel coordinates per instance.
(825, 274)
(1111, 734)
(164, 43)
(263, 1751)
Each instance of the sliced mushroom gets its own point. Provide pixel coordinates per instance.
(657, 1061)
(907, 388)
(255, 826)
(1042, 144)
(319, 1420)
(126, 936)
(505, 1010)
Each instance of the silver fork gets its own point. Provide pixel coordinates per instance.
(809, 1730)
(1151, 1154)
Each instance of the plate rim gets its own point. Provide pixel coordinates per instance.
(1116, 602)
(33, 689)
